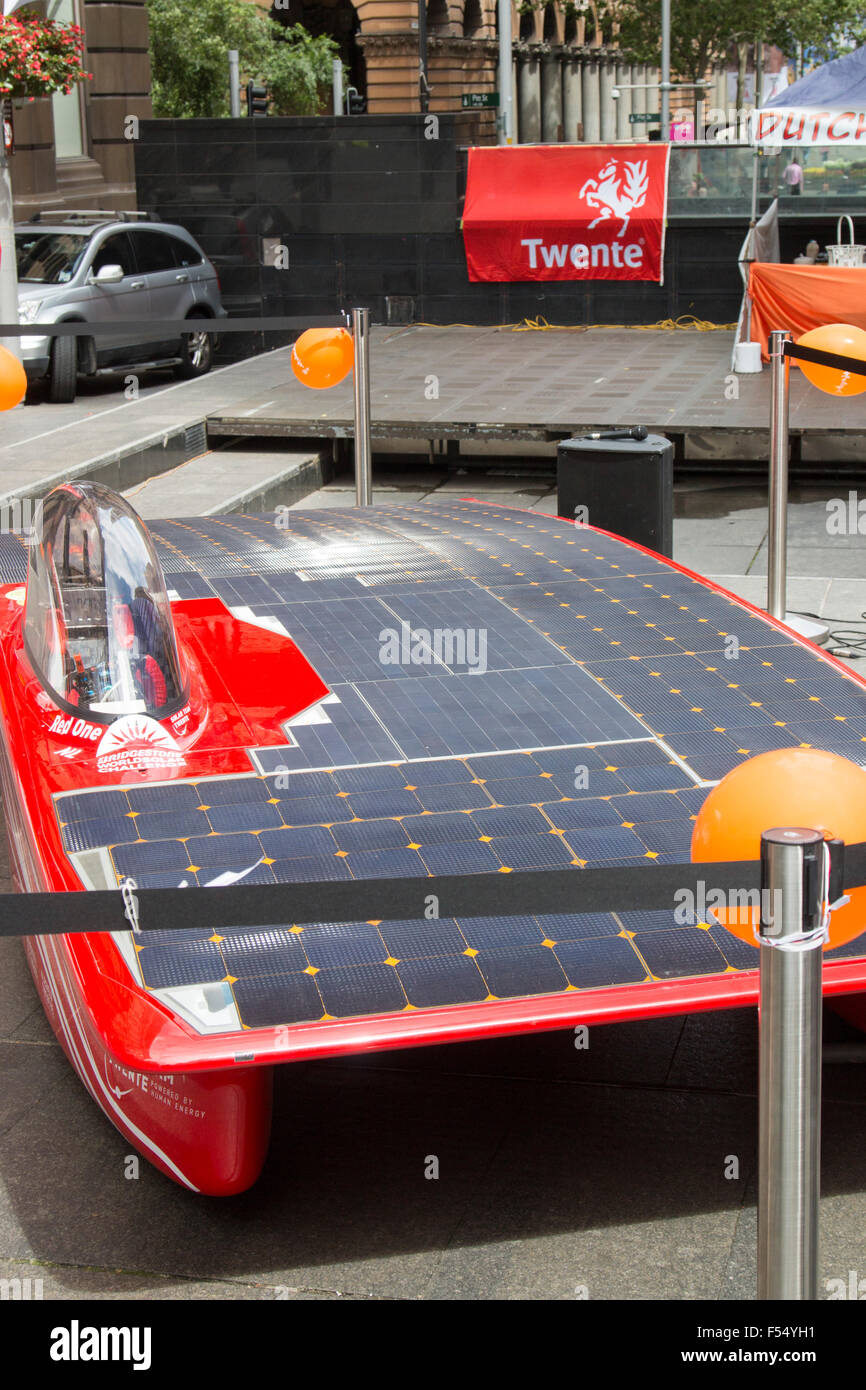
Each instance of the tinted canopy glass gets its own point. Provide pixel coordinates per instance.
(97, 623)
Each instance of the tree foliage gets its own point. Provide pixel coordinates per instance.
(700, 33)
(703, 34)
(295, 67)
(825, 28)
(189, 46)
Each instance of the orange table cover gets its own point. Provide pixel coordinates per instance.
(800, 297)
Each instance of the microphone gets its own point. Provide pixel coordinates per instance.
(636, 432)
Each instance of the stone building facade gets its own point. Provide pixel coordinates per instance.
(77, 150)
(565, 68)
(563, 76)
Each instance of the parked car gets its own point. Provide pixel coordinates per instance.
(104, 267)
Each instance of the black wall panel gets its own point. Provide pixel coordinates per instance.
(369, 208)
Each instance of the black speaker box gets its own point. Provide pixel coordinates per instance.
(620, 485)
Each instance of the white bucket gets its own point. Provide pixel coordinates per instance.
(747, 357)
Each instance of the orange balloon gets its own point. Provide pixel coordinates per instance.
(786, 787)
(845, 339)
(323, 357)
(13, 380)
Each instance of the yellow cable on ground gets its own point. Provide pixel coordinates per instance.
(541, 325)
(685, 322)
(421, 323)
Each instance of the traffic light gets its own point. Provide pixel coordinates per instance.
(257, 100)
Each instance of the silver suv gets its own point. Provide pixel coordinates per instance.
(104, 267)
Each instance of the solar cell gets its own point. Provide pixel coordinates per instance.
(595, 963)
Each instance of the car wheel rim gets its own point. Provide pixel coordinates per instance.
(197, 348)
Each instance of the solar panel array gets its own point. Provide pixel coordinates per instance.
(584, 698)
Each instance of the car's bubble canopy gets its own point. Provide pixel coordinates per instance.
(97, 620)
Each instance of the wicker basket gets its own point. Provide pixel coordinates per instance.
(846, 253)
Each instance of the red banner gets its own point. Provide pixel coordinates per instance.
(566, 212)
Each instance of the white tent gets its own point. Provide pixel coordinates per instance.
(826, 107)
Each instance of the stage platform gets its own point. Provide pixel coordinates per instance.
(441, 392)
(453, 387)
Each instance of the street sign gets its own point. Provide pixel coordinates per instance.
(649, 117)
(474, 101)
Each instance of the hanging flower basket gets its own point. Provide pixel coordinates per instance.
(38, 57)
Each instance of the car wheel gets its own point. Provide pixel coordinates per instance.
(196, 354)
(63, 373)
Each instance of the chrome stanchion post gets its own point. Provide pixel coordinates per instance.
(665, 84)
(234, 83)
(793, 929)
(777, 544)
(363, 455)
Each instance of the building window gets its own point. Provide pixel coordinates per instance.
(438, 18)
(473, 20)
(68, 110)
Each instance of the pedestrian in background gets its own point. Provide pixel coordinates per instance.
(793, 176)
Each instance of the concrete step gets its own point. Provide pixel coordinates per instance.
(237, 479)
(122, 443)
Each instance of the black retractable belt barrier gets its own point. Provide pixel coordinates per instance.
(169, 327)
(241, 906)
(825, 359)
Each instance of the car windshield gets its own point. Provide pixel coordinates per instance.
(48, 258)
(97, 623)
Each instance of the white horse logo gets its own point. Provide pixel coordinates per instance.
(604, 192)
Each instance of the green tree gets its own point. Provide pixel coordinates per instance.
(294, 66)
(825, 28)
(703, 34)
(189, 46)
